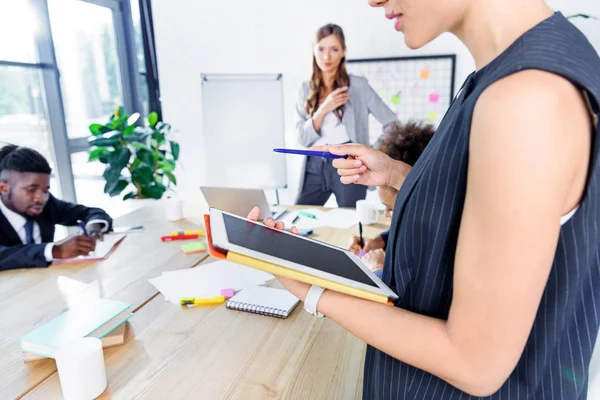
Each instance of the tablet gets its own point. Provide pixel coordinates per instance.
(249, 238)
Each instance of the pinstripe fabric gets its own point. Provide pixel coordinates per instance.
(424, 234)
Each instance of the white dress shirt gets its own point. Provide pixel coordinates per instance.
(18, 223)
(332, 131)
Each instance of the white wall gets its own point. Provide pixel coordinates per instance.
(274, 36)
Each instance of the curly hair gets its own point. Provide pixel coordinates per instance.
(316, 81)
(405, 142)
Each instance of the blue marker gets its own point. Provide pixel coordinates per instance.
(82, 226)
(314, 153)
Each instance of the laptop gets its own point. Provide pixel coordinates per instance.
(241, 201)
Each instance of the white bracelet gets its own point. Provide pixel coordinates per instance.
(312, 300)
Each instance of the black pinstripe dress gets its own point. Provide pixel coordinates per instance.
(424, 234)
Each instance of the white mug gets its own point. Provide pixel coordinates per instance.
(367, 212)
(174, 209)
(81, 370)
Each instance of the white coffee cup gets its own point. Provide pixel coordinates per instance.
(367, 212)
(81, 369)
(174, 209)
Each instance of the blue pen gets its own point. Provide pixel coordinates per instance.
(313, 153)
(82, 226)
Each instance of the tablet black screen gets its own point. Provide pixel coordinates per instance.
(295, 249)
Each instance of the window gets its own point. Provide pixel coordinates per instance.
(17, 30)
(65, 64)
(86, 52)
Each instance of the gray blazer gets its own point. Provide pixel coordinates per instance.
(362, 102)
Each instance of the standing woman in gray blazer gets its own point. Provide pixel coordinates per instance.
(333, 108)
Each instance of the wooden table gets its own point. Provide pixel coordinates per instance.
(31, 297)
(211, 352)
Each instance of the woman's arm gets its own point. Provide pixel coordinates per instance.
(522, 167)
(307, 134)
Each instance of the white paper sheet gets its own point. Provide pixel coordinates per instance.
(208, 280)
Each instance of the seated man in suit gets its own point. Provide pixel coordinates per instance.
(29, 213)
(402, 142)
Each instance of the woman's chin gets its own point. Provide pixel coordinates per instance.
(412, 42)
(328, 69)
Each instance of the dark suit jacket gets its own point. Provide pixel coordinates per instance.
(14, 254)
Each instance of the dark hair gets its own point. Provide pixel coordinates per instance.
(405, 142)
(22, 159)
(316, 81)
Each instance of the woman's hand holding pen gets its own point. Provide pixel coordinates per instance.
(298, 289)
(366, 166)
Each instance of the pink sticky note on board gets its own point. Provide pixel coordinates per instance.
(434, 97)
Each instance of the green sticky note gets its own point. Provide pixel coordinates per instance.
(395, 99)
(432, 116)
(193, 247)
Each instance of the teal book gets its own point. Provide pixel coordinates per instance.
(95, 318)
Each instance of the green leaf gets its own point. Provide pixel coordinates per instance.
(171, 177)
(153, 192)
(95, 153)
(136, 138)
(114, 188)
(98, 129)
(142, 175)
(133, 119)
(139, 146)
(145, 156)
(152, 119)
(129, 130)
(118, 123)
(104, 158)
(159, 137)
(111, 174)
(175, 150)
(120, 158)
(103, 142)
(129, 195)
(167, 165)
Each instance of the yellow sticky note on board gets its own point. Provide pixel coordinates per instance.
(432, 116)
(424, 74)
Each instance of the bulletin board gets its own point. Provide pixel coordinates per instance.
(417, 88)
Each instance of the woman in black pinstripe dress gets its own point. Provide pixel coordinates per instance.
(494, 243)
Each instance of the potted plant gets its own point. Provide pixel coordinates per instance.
(141, 159)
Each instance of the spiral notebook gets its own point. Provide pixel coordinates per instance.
(264, 300)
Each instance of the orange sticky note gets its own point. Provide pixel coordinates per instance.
(424, 74)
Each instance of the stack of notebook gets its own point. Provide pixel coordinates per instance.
(100, 318)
